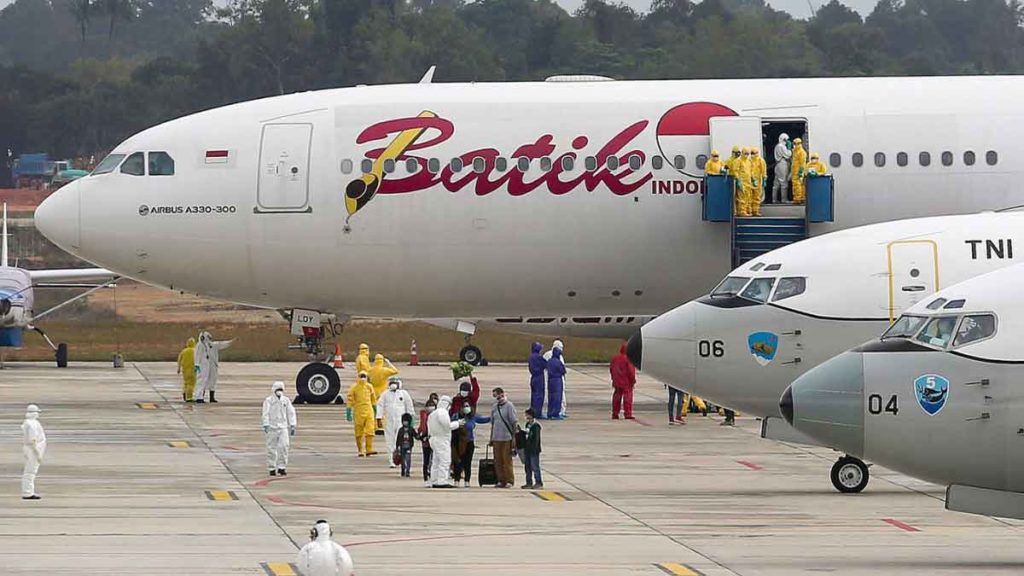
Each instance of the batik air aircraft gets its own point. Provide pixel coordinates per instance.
(784, 313)
(544, 199)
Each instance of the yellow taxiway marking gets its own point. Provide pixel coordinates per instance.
(221, 495)
(677, 569)
(550, 496)
(179, 444)
(280, 569)
(147, 405)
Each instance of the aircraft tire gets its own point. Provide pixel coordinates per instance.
(317, 383)
(850, 475)
(471, 355)
(62, 355)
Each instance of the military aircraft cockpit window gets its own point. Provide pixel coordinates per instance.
(974, 328)
(759, 289)
(939, 331)
(789, 287)
(108, 164)
(955, 304)
(135, 165)
(905, 327)
(731, 286)
(936, 304)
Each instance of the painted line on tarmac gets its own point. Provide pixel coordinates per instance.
(677, 569)
(221, 495)
(280, 569)
(900, 525)
(551, 496)
(147, 405)
(750, 465)
(179, 444)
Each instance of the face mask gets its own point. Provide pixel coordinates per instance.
(393, 387)
(279, 393)
(431, 408)
(464, 393)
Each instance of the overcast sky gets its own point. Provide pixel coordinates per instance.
(798, 8)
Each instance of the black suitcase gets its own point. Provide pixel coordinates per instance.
(486, 474)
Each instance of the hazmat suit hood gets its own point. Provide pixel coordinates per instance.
(558, 345)
(556, 353)
(277, 386)
(395, 381)
(364, 348)
(191, 343)
(444, 403)
(32, 412)
(378, 360)
(536, 347)
(323, 531)
(783, 138)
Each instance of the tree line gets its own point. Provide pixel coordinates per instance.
(78, 76)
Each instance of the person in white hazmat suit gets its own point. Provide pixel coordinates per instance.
(207, 362)
(279, 422)
(562, 412)
(440, 426)
(390, 407)
(783, 154)
(33, 447)
(323, 556)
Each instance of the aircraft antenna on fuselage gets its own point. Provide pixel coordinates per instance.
(428, 78)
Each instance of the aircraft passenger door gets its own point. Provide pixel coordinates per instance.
(913, 273)
(729, 131)
(283, 184)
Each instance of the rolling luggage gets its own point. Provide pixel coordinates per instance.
(486, 474)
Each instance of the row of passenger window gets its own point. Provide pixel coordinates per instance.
(160, 164)
(636, 162)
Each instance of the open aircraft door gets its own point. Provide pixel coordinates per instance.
(913, 273)
(729, 131)
(283, 184)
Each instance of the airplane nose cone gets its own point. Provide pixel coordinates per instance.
(827, 403)
(635, 349)
(57, 217)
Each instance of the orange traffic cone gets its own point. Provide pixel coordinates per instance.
(414, 357)
(339, 362)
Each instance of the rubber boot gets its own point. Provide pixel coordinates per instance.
(213, 397)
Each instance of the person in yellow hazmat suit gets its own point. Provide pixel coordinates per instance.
(714, 165)
(799, 171)
(363, 359)
(731, 167)
(361, 400)
(816, 167)
(759, 173)
(380, 372)
(744, 184)
(187, 369)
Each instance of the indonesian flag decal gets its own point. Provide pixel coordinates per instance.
(217, 156)
(685, 131)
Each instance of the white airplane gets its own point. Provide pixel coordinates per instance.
(937, 397)
(783, 313)
(17, 297)
(544, 199)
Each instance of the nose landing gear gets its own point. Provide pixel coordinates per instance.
(849, 475)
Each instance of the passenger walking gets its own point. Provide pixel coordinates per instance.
(465, 444)
(187, 369)
(623, 381)
(439, 427)
(556, 383)
(390, 408)
(424, 436)
(322, 556)
(33, 448)
(537, 365)
(207, 362)
(468, 395)
(406, 440)
(531, 451)
(675, 406)
(279, 422)
(759, 175)
(504, 425)
(799, 171)
(361, 400)
(780, 187)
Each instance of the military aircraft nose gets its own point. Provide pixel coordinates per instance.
(664, 348)
(827, 403)
(57, 217)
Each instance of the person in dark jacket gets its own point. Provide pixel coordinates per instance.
(465, 445)
(405, 440)
(424, 437)
(469, 393)
(556, 380)
(537, 365)
(623, 381)
(532, 452)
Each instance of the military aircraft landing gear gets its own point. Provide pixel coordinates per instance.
(849, 475)
(318, 382)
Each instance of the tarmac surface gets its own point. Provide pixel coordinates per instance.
(137, 482)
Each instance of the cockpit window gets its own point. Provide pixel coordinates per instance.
(731, 286)
(955, 304)
(905, 327)
(936, 304)
(161, 164)
(134, 165)
(974, 328)
(108, 164)
(757, 267)
(938, 331)
(759, 289)
(789, 287)
(773, 267)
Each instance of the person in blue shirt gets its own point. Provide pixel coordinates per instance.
(465, 444)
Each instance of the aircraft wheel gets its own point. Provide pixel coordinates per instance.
(471, 355)
(849, 475)
(317, 383)
(62, 355)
